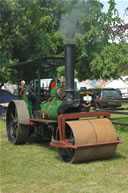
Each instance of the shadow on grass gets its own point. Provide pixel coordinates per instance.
(39, 141)
(45, 142)
(118, 156)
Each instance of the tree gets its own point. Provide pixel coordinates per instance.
(92, 31)
(110, 61)
(32, 29)
(98, 55)
(28, 31)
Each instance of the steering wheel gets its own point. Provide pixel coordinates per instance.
(21, 92)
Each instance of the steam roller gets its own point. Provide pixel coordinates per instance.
(85, 139)
(63, 115)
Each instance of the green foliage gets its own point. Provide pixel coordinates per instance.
(32, 29)
(61, 71)
(28, 31)
(109, 61)
(96, 56)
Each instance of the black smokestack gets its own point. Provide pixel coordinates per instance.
(69, 52)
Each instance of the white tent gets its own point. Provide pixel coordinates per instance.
(118, 84)
(10, 87)
(82, 84)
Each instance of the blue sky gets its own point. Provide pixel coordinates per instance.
(121, 6)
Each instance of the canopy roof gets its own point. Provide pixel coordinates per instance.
(28, 70)
(48, 62)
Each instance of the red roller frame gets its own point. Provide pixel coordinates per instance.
(64, 143)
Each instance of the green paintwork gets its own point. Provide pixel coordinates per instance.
(44, 107)
(50, 108)
(53, 108)
(53, 91)
(29, 103)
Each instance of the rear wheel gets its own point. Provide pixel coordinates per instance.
(17, 115)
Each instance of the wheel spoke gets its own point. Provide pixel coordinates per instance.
(13, 128)
(12, 116)
(16, 116)
(14, 122)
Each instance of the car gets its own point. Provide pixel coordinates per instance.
(107, 93)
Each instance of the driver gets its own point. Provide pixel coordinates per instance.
(22, 88)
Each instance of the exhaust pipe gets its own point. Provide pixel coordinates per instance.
(69, 55)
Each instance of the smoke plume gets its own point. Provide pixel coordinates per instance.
(70, 23)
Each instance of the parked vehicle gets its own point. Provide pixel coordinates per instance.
(5, 97)
(107, 93)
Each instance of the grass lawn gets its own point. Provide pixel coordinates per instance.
(120, 117)
(37, 168)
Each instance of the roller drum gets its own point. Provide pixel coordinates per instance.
(89, 134)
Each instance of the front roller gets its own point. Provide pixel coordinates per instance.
(86, 140)
(17, 116)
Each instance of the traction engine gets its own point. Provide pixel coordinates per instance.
(79, 135)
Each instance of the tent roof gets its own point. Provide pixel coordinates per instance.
(116, 84)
